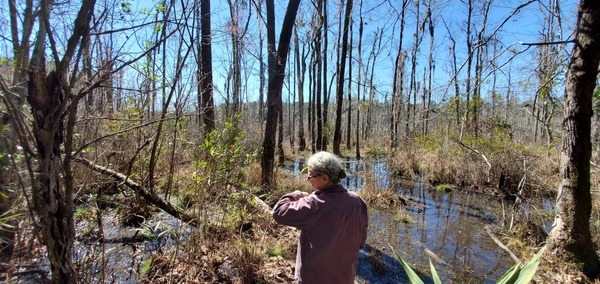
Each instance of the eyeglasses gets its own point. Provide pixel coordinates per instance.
(311, 177)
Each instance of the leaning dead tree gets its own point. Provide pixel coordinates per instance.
(148, 195)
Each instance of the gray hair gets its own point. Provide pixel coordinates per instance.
(328, 164)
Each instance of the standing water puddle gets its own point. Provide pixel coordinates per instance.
(446, 227)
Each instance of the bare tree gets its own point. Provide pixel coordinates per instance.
(430, 66)
(371, 62)
(349, 90)
(337, 136)
(205, 86)
(414, 85)
(358, 80)
(325, 33)
(318, 75)
(50, 97)
(277, 63)
(300, 71)
(570, 238)
(480, 52)
(398, 82)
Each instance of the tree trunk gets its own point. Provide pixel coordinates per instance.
(236, 43)
(570, 238)
(52, 204)
(325, 32)
(278, 60)
(207, 109)
(280, 127)
(358, 81)
(300, 70)
(414, 88)
(337, 136)
(349, 121)
(318, 75)
(261, 69)
(48, 95)
(374, 53)
(398, 82)
(431, 67)
(469, 61)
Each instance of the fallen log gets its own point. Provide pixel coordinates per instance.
(150, 197)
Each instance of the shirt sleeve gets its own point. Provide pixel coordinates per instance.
(296, 210)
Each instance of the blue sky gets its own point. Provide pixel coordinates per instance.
(379, 15)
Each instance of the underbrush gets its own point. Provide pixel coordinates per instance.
(497, 166)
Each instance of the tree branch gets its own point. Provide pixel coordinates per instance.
(501, 245)
(547, 42)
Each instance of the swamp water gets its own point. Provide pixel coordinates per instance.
(446, 227)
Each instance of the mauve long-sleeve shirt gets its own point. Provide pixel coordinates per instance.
(333, 224)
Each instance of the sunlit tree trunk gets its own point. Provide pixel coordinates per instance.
(372, 87)
(166, 100)
(21, 45)
(570, 238)
(280, 130)
(236, 43)
(398, 82)
(261, 68)
(457, 97)
(300, 71)
(411, 126)
(481, 52)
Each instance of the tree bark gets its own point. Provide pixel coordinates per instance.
(570, 238)
(277, 64)
(358, 81)
(300, 70)
(337, 136)
(398, 82)
(325, 32)
(49, 97)
(318, 75)
(349, 90)
(206, 78)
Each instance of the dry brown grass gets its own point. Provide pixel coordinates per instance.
(553, 271)
(381, 198)
(465, 165)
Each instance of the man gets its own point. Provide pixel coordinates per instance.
(333, 223)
